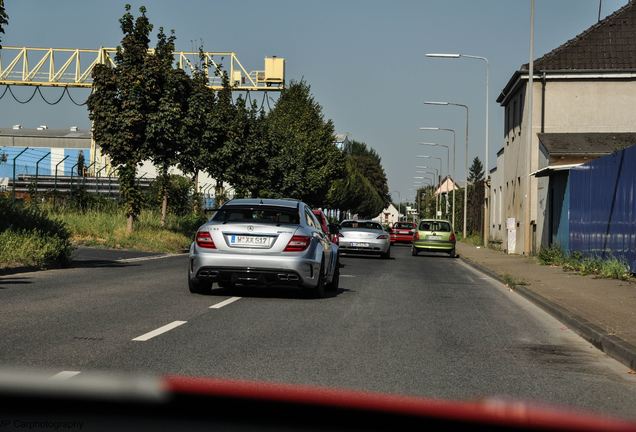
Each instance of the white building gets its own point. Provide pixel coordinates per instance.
(389, 215)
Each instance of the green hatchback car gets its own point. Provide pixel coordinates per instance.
(435, 236)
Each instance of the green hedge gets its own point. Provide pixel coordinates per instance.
(29, 238)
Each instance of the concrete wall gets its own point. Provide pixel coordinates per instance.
(497, 232)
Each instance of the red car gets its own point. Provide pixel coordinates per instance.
(402, 232)
(324, 224)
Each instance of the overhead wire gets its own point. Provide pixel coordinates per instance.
(38, 90)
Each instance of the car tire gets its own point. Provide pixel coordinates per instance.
(414, 251)
(335, 280)
(198, 286)
(387, 254)
(319, 290)
(452, 253)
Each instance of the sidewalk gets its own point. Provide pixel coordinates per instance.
(602, 311)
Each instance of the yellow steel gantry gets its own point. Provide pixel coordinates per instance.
(71, 67)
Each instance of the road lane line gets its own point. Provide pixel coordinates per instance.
(224, 303)
(64, 375)
(160, 330)
(347, 275)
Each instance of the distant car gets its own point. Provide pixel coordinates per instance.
(435, 236)
(402, 232)
(364, 237)
(263, 242)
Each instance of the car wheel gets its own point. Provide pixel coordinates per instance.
(319, 290)
(414, 251)
(387, 254)
(335, 280)
(198, 286)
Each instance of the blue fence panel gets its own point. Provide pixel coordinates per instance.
(25, 164)
(603, 207)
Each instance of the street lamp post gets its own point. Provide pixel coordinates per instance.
(465, 156)
(447, 164)
(487, 172)
(454, 172)
(437, 177)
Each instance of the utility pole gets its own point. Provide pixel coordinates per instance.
(530, 90)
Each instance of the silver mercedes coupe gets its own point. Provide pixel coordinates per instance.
(263, 242)
(364, 237)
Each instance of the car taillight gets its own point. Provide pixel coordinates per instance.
(416, 236)
(297, 243)
(452, 237)
(383, 236)
(204, 240)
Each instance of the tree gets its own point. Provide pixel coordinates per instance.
(171, 89)
(476, 171)
(370, 165)
(355, 193)
(199, 129)
(474, 213)
(249, 152)
(4, 18)
(119, 107)
(306, 159)
(219, 157)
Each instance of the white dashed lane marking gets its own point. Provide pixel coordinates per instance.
(224, 303)
(64, 375)
(160, 330)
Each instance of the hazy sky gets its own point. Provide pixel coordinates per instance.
(364, 59)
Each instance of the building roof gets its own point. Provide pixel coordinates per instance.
(549, 170)
(45, 133)
(610, 44)
(588, 143)
(446, 186)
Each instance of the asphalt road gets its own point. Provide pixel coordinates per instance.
(428, 326)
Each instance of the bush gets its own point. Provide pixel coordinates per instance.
(552, 255)
(29, 238)
(615, 268)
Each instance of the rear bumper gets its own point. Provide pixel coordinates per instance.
(250, 276)
(252, 269)
(373, 248)
(434, 245)
(401, 238)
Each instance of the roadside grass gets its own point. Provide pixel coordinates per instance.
(608, 268)
(512, 282)
(28, 238)
(471, 239)
(108, 229)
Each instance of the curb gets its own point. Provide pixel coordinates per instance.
(613, 346)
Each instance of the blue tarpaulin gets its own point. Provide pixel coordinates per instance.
(603, 207)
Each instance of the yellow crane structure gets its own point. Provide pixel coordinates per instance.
(72, 67)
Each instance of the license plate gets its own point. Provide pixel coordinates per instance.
(244, 240)
(432, 237)
(355, 244)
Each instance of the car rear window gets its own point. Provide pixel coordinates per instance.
(403, 225)
(258, 214)
(361, 225)
(434, 226)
